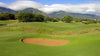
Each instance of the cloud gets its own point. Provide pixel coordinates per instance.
(81, 8)
(97, 8)
(90, 8)
(20, 5)
(3, 4)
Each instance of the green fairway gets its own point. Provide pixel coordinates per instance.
(84, 38)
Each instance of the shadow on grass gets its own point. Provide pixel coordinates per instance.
(2, 24)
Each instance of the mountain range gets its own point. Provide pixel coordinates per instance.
(61, 14)
(36, 11)
(3, 9)
(58, 14)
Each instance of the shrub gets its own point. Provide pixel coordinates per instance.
(25, 17)
(49, 19)
(39, 18)
(7, 16)
(77, 20)
(29, 17)
(91, 21)
(67, 19)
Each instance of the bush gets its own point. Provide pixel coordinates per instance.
(25, 17)
(29, 17)
(49, 19)
(7, 16)
(67, 19)
(91, 21)
(77, 20)
(39, 18)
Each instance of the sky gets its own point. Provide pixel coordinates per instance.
(49, 2)
(49, 6)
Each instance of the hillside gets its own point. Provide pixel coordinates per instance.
(61, 14)
(3, 9)
(85, 16)
(36, 11)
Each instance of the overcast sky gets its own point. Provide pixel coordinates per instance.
(48, 6)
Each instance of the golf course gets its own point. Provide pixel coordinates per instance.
(49, 39)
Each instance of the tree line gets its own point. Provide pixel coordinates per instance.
(7, 16)
(29, 17)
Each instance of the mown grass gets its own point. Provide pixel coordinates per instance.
(84, 39)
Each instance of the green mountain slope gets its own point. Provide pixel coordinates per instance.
(61, 14)
(3, 9)
(36, 11)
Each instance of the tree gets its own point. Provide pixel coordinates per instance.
(12, 16)
(25, 17)
(51, 19)
(78, 20)
(91, 21)
(1, 17)
(7, 16)
(57, 19)
(67, 19)
(39, 18)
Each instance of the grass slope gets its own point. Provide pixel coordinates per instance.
(84, 39)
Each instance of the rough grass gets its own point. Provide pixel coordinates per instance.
(84, 39)
(60, 29)
(8, 22)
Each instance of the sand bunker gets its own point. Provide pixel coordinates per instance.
(46, 42)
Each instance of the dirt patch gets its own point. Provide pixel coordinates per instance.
(46, 42)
